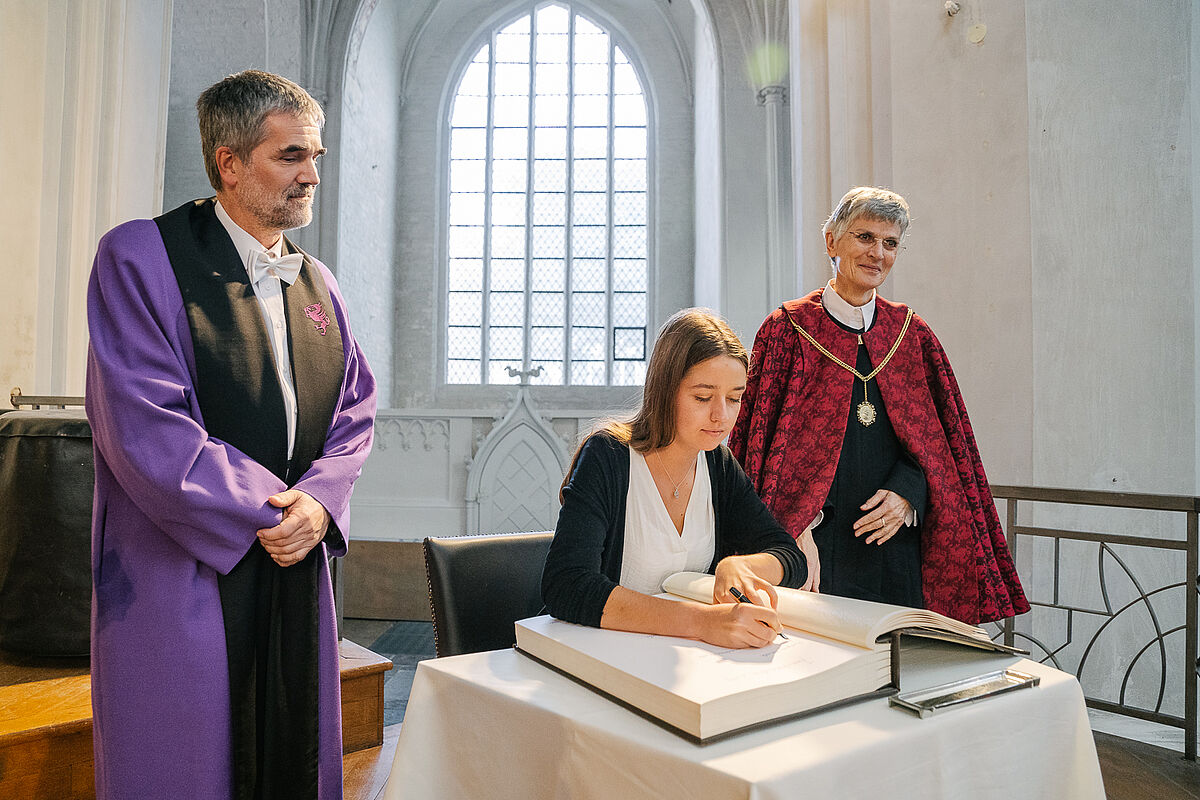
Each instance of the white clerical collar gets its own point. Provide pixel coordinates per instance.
(245, 244)
(857, 317)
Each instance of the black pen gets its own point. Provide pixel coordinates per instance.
(741, 598)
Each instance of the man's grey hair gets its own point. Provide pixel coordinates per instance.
(867, 201)
(233, 114)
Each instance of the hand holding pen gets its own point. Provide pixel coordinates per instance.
(741, 598)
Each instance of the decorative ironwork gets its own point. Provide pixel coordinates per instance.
(1156, 603)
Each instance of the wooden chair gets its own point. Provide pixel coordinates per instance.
(480, 585)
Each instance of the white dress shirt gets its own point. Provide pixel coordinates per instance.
(654, 549)
(269, 292)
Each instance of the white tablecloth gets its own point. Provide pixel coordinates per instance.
(492, 726)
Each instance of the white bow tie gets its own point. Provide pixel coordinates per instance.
(286, 268)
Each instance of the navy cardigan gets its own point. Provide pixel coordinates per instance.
(584, 562)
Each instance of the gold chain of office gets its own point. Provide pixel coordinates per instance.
(865, 410)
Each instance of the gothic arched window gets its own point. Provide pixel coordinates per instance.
(547, 251)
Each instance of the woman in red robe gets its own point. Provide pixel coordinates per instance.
(855, 434)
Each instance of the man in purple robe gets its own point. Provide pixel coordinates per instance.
(231, 411)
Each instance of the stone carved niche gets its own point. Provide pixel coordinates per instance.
(513, 480)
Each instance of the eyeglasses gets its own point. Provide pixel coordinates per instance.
(868, 240)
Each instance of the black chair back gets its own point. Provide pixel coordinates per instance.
(480, 585)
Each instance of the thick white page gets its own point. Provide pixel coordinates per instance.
(857, 622)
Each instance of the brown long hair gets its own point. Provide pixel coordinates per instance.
(688, 338)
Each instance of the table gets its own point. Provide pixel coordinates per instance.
(498, 725)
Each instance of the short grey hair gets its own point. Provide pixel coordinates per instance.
(867, 201)
(233, 112)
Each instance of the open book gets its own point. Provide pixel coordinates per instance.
(839, 650)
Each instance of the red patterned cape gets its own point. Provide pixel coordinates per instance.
(793, 419)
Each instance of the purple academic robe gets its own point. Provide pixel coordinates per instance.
(173, 508)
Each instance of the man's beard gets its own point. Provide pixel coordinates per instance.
(279, 213)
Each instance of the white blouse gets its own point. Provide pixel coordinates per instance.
(653, 548)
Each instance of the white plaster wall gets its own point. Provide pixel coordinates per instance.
(209, 40)
(84, 88)
(960, 155)
(1112, 166)
(371, 187)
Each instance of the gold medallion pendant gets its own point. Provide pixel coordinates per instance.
(866, 413)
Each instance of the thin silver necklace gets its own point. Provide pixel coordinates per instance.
(667, 472)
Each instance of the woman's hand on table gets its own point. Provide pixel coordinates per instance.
(886, 512)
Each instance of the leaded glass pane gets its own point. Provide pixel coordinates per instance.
(510, 143)
(463, 343)
(628, 373)
(549, 242)
(552, 373)
(508, 208)
(629, 274)
(591, 78)
(629, 241)
(547, 309)
(629, 344)
(508, 175)
(508, 242)
(463, 308)
(551, 48)
(550, 143)
(465, 241)
(549, 208)
(467, 176)
(629, 309)
(592, 49)
(625, 80)
(629, 175)
(511, 80)
(466, 208)
(590, 208)
(589, 241)
(590, 143)
(462, 371)
(590, 175)
(512, 47)
(592, 109)
(508, 275)
(549, 275)
(552, 19)
(468, 143)
(505, 343)
(510, 111)
(587, 373)
(465, 275)
(550, 109)
(629, 208)
(475, 80)
(587, 275)
(629, 109)
(587, 343)
(587, 308)
(550, 79)
(549, 175)
(629, 143)
(546, 343)
(469, 112)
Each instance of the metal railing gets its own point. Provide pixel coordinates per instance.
(1147, 600)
